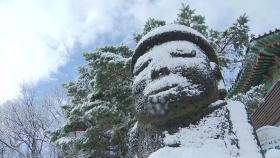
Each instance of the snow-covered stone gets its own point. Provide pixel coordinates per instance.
(272, 153)
(269, 137)
(225, 133)
(176, 69)
(179, 104)
(171, 28)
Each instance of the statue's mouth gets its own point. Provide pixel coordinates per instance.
(163, 89)
(170, 88)
(162, 95)
(171, 92)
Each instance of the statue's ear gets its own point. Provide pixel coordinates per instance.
(222, 90)
(220, 81)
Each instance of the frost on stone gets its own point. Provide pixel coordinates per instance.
(225, 133)
(171, 57)
(244, 131)
(170, 69)
(213, 65)
(132, 141)
(217, 103)
(169, 72)
(269, 137)
(221, 85)
(173, 28)
(172, 80)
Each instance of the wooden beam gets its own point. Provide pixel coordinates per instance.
(269, 111)
(267, 52)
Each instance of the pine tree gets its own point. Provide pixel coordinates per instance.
(232, 41)
(150, 24)
(253, 98)
(230, 45)
(188, 17)
(101, 109)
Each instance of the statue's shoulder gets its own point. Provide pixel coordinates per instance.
(244, 132)
(226, 132)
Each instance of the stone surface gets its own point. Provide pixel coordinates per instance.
(176, 81)
(173, 80)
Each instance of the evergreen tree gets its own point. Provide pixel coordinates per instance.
(253, 98)
(101, 111)
(231, 43)
(188, 17)
(230, 46)
(150, 24)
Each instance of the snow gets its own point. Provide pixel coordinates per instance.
(269, 137)
(221, 85)
(244, 130)
(71, 137)
(217, 103)
(213, 65)
(172, 80)
(134, 128)
(64, 140)
(272, 153)
(99, 109)
(267, 128)
(209, 151)
(169, 28)
(252, 98)
(113, 58)
(132, 140)
(212, 137)
(162, 56)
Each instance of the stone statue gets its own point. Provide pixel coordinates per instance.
(177, 83)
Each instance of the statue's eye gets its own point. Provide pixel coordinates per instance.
(182, 53)
(141, 67)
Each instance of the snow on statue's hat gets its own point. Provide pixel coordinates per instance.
(173, 32)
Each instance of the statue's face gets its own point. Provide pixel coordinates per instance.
(172, 80)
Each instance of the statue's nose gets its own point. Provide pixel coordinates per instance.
(163, 71)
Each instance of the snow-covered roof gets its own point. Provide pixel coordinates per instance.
(261, 55)
(173, 32)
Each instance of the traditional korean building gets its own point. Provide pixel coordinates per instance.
(262, 66)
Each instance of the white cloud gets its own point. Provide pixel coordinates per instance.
(37, 36)
(263, 15)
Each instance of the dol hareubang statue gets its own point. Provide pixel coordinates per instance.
(176, 75)
(178, 85)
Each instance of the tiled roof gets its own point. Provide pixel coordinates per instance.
(263, 52)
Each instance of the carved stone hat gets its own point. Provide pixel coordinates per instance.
(173, 32)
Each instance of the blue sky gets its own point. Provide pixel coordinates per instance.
(42, 40)
(69, 71)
